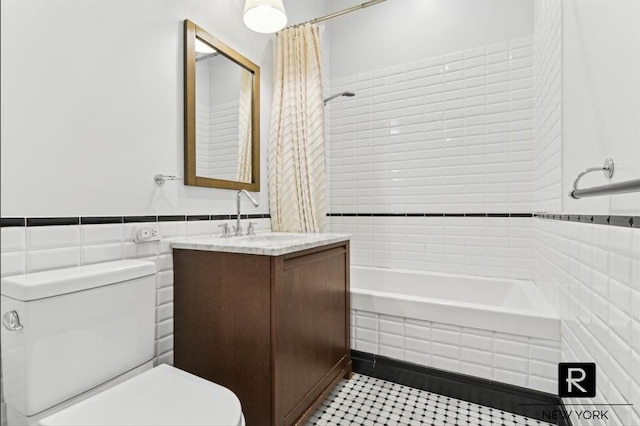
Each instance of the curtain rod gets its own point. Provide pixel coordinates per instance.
(339, 13)
(612, 188)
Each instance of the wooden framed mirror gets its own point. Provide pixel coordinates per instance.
(221, 114)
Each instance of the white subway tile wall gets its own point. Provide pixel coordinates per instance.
(488, 246)
(547, 107)
(448, 134)
(591, 275)
(203, 145)
(217, 140)
(31, 249)
(13, 246)
(508, 358)
(445, 134)
(589, 272)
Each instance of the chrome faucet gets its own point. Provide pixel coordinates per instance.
(238, 229)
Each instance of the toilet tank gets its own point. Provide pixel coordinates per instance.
(81, 327)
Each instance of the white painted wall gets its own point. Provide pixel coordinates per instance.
(92, 104)
(92, 109)
(399, 31)
(227, 87)
(601, 99)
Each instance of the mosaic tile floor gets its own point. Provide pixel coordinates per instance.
(369, 401)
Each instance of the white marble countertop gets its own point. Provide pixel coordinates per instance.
(265, 244)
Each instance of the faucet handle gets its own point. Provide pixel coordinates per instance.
(251, 230)
(225, 230)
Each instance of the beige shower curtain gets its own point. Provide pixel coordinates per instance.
(244, 130)
(296, 143)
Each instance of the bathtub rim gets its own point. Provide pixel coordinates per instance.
(543, 322)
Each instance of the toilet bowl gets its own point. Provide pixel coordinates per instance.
(78, 346)
(162, 396)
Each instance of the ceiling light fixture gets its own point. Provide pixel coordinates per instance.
(265, 16)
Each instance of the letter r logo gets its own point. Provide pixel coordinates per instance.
(573, 381)
(577, 379)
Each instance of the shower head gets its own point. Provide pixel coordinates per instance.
(337, 95)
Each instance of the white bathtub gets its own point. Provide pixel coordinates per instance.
(494, 304)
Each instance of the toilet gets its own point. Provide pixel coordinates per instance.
(78, 347)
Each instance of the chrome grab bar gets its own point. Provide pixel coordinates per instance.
(613, 188)
(632, 185)
(607, 168)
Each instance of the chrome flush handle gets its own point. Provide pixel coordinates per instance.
(11, 321)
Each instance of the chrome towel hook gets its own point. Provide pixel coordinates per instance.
(607, 168)
(161, 179)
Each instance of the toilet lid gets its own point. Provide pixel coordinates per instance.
(163, 395)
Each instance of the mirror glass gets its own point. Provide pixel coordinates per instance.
(223, 116)
(221, 141)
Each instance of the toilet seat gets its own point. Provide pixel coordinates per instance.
(163, 395)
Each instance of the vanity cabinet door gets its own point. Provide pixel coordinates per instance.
(222, 305)
(311, 327)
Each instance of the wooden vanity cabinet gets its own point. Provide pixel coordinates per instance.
(273, 329)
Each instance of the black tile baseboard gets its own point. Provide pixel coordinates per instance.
(601, 220)
(7, 222)
(507, 215)
(515, 399)
(101, 220)
(626, 221)
(139, 219)
(52, 221)
(194, 218)
(172, 218)
(611, 220)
